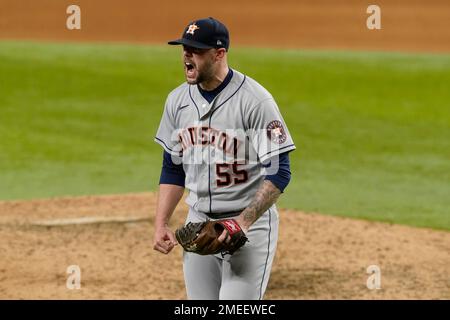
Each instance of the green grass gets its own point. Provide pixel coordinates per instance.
(372, 129)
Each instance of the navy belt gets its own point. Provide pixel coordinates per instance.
(223, 215)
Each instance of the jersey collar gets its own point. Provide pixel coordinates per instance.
(226, 93)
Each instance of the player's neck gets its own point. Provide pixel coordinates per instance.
(216, 80)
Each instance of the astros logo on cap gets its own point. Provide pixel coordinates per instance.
(192, 28)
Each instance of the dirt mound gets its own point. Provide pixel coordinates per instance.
(319, 257)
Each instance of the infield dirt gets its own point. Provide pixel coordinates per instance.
(406, 25)
(319, 257)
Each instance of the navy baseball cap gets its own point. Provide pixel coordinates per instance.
(204, 34)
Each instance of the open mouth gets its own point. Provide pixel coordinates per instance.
(190, 68)
(189, 65)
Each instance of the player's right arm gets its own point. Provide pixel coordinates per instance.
(168, 197)
(171, 188)
(171, 183)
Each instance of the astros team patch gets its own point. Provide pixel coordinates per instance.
(276, 132)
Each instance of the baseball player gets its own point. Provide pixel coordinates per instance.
(225, 141)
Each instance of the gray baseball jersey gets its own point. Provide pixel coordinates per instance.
(223, 144)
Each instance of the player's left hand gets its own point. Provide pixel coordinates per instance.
(225, 236)
(211, 237)
(244, 226)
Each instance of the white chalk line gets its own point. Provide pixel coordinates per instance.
(87, 220)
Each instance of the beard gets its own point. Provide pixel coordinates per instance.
(204, 74)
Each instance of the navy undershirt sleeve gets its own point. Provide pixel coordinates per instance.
(283, 176)
(171, 173)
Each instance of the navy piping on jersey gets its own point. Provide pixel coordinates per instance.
(179, 153)
(210, 117)
(267, 257)
(276, 150)
(180, 108)
(209, 183)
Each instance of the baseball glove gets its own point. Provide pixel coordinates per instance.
(202, 237)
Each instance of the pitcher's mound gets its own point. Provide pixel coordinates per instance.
(110, 239)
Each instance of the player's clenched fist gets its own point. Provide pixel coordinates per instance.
(164, 240)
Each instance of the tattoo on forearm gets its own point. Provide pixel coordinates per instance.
(264, 198)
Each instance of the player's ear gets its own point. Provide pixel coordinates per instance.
(220, 53)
